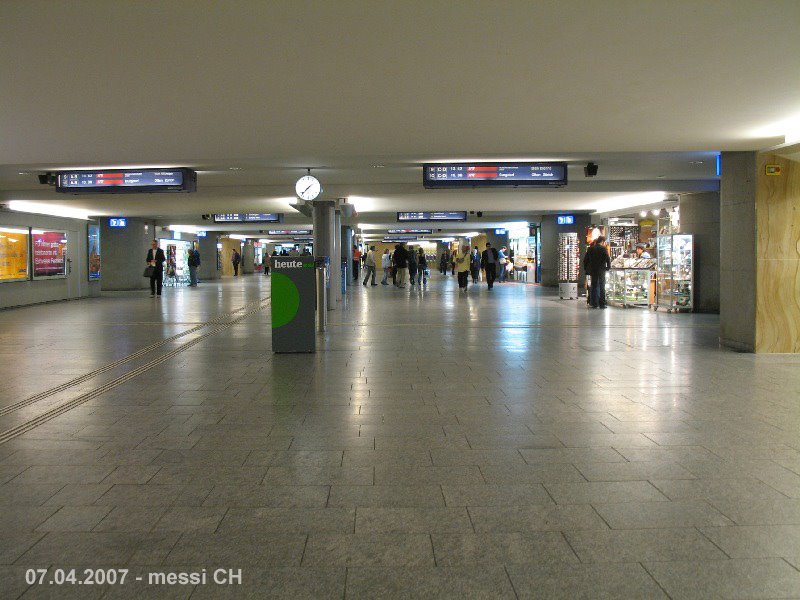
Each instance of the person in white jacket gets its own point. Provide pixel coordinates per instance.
(386, 264)
(369, 265)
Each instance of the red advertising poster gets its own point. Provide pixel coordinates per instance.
(49, 253)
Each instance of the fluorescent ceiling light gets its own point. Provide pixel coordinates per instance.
(183, 228)
(46, 208)
(236, 236)
(615, 203)
(789, 129)
(11, 230)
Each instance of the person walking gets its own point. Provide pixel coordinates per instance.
(386, 265)
(461, 260)
(412, 266)
(475, 264)
(193, 262)
(422, 267)
(595, 263)
(155, 258)
(236, 258)
(369, 265)
(502, 260)
(489, 264)
(400, 265)
(443, 261)
(356, 263)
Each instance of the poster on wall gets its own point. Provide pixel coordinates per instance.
(93, 234)
(13, 254)
(49, 254)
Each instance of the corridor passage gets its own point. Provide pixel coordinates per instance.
(439, 444)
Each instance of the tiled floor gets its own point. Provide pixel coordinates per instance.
(487, 445)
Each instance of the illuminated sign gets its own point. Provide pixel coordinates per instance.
(445, 175)
(565, 219)
(118, 222)
(248, 218)
(453, 215)
(126, 181)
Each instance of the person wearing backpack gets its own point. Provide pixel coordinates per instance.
(194, 263)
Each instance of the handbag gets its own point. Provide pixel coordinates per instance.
(148, 271)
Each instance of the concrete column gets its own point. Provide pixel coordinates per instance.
(248, 258)
(123, 254)
(208, 258)
(737, 274)
(549, 246)
(700, 217)
(323, 214)
(336, 260)
(347, 249)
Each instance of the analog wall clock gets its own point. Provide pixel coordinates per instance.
(308, 187)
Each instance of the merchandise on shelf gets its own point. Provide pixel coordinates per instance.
(568, 257)
(675, 267)
(622, 238)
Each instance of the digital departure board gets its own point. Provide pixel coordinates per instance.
(404, 231)
(126, 181)
(248, 218)
(452, 215)
(290, 232)
(446, 175)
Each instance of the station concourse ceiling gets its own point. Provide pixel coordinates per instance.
(252, 93)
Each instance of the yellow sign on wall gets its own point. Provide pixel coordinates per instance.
(13, 254)
(773, 169)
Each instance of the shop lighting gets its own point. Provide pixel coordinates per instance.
(643, 214)
(183, 228)
(236, 236)
(219, 245)
(10, 230)
(656, 212)
(45, 208)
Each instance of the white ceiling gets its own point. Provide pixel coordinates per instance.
(643, 89)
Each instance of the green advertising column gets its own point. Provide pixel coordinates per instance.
(293, 303)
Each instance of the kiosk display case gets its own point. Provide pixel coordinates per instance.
(675, 272)
(630, 282)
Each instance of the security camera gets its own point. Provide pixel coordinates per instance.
(206, 217)
(480, 213)
(47, 179)
(590, 170)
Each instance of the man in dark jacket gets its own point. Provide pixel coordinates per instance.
(155, 258)
(400, 264)
(489, 260)
(596, 263)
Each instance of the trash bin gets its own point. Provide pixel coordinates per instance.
(293, 303)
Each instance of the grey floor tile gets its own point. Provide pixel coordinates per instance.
(637, 545)
(27, 494)
(424, 475)
(633, 471)
(190, 518)
(509, 474)
(495, 495)
(79, 549)
(412, 520)
(760, 511)
(386, 496)
(756, 541)
(75, 518)
(130, 519)
(587, 582)
(289, 520)
(482, 549)
(601, 492)
(319, 476)
(759, 578)
(140, 495)
(535, 518)
(661, 515)
(238, 548)
(285, 496)
(369, 549)
(281, 582)
(571, 455)
(428, 583)
(14, 544)
(718, 489)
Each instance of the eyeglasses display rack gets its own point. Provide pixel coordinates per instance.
(568, 265)
(675, 272)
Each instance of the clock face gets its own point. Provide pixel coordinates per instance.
(308, 187)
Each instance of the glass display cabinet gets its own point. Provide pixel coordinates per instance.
(675, 272)
(629, 282)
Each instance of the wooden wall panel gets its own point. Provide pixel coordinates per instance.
(778, 256)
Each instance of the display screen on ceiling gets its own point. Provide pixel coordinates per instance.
(118, 181)
(247, 218)
(444, 175)
(453, 215)
(290, 232)
(402, 231)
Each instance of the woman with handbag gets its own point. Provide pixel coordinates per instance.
(155, 268)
